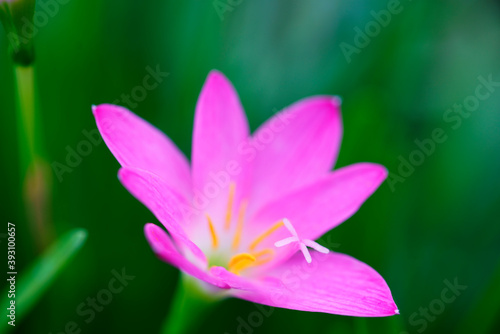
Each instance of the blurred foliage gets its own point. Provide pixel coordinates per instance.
(34, 282)
(441, 223)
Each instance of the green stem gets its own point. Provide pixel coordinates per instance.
(189, 306)
(14, 16)
(25, 83)
(36, 176)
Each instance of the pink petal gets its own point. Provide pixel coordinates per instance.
(324, 204)
(163, 246)
(220, 125)
(295, 147)
(171, 209)
(136, 143)
(333, 283)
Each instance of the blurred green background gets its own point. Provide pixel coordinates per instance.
(439, 223)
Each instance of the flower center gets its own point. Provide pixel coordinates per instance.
(243, 260)
(253, 258)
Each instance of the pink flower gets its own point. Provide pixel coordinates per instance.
(226, 215)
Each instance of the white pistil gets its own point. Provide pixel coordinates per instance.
(285, 241)
(303, 243)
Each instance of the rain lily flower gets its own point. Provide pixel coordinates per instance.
(237, 218)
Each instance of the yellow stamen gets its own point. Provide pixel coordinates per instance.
(229, 211)
(240, 262)
(239, 227)
(268, 251)
(240, 257)
(215, 240)
(264, 235)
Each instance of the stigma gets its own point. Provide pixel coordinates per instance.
(303, 243)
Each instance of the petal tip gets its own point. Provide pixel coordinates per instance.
(149, 227)
(153, 234)
(396, 311)
(216, 75)
(120, 174)
(376, 169)
(101, 111)
(215, 72)
(384, 172)
(123, 173)
(337, 100)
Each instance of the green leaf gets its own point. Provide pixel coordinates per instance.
(34, 281)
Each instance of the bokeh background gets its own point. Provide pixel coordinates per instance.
(439, 223)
